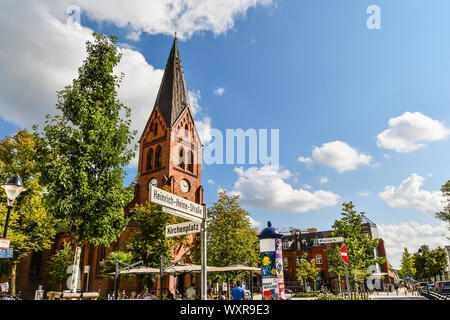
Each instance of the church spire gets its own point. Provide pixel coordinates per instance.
(172, 96)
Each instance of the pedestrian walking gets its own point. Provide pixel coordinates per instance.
(191, 293)
(238, 293)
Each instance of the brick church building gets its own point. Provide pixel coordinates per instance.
(169, 157)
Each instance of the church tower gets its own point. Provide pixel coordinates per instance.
(170, 147)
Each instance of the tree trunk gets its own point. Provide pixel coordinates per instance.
(13, 279)
(75, 270)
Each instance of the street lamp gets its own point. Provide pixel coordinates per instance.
(13, 188)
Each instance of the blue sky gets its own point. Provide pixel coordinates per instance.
(311, 69)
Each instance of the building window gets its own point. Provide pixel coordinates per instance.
(158, 157)
(186, 131)
(190, 166)
(181, 158)
(150, 159)
(155, 130)
(35, 264)
(318, 259)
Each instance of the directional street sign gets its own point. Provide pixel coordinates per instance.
(5, 243)
(6, 253)
(344, 256)
(192, 210)
(181, 229)
(330, 240)
(181, 214)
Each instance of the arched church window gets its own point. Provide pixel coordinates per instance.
(155, 129)
(158, 157)
(181, 160)
(150, 159)
(190, 162)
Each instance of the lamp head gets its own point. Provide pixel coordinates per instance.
(13, 188)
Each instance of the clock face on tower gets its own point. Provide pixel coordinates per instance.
(184, 185)
(153, 182)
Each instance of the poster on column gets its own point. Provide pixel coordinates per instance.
(279, 268)
(269, 275)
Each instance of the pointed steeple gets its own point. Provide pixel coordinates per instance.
(172, 96)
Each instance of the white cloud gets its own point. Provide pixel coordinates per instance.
(364, 194)
(411, 235)
(306, 186)
(211, 181)
(410, 131)
(164, 16)
(219, 91)
(409, 195)
(134, 36)
(204, 129)
(322, 180)
(194, 98)
(338, 155)
(254, 223)
(265, 188)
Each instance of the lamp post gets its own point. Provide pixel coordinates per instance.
(13, 188)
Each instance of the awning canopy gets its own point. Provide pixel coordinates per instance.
(188, 268)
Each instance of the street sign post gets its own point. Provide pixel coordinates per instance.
(6, 253)
(169, 200)
(5, 243)
(344, 258)
(330, 240)
(178, 206)
(182, 229)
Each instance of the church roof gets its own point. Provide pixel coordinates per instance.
(172, 96)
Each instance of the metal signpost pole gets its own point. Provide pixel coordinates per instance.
(204, 257)
(348, 282)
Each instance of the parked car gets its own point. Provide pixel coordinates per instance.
(439, 285)
(421, 285)
(445, 288)
(432, 287)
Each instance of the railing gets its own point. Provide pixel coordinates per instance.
(433, 295)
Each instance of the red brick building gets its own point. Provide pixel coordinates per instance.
(297, 243)
(170, 157)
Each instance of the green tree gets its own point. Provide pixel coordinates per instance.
(438, 263)
(445, 213)
(430, 263)
(407, 266)
(31, 226)
(230, 237)
(307, 269)
(421, 263)
(110, 261)
(58, 264)
(85, 148)
(360, 248)
(150, 242)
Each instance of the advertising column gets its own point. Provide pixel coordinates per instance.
(270, 264)
(279, 264)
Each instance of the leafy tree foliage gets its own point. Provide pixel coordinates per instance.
(31, 226)
(85, 148)
(445, 213)
(230, 237)
(58, 264)
(429, 263)
(307, 269)
(360, 248)
(407, 266)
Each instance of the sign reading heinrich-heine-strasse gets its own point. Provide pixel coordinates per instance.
(182, 229)
(330, 240)
(179, 204)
